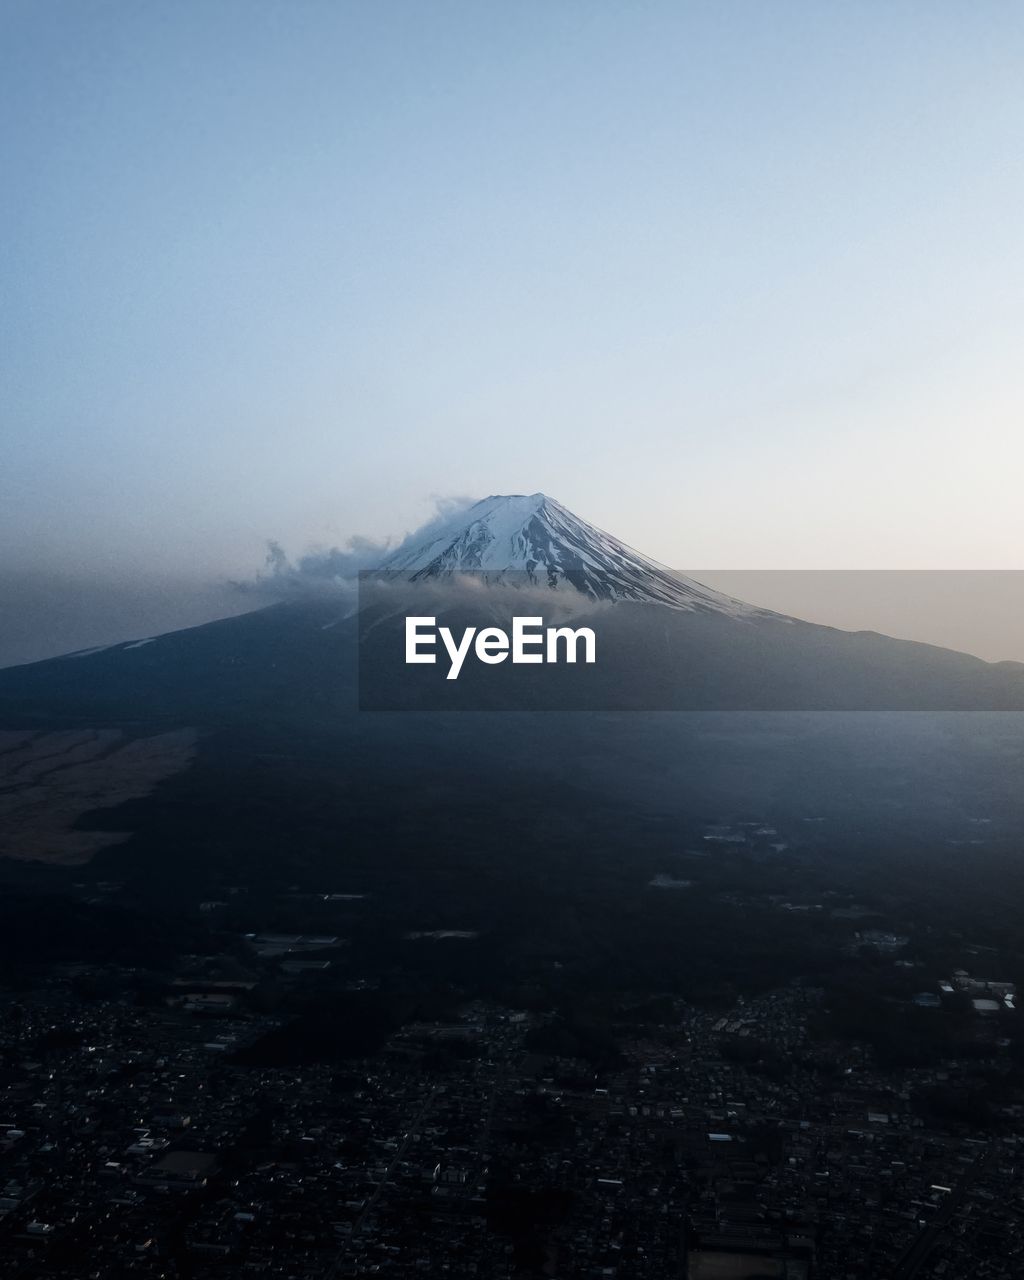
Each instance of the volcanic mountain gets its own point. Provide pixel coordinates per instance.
(666, 643)
(256, 718)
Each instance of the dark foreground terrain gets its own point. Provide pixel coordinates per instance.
(745, 1010)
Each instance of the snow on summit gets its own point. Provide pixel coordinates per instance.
(536, 536)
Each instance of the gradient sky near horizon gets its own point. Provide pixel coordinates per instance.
(739, 282)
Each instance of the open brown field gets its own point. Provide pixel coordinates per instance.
(49, 781)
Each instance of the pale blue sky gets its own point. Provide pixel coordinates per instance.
(740, 282)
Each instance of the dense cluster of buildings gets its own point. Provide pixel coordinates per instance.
(135, 1141)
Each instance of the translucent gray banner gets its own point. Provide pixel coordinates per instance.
(569, 640)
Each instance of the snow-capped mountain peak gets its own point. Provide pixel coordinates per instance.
(507, 535)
